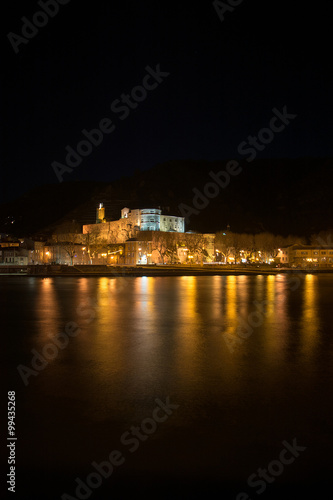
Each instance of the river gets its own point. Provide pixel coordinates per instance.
(189, 384)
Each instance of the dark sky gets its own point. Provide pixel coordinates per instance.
(224, 80)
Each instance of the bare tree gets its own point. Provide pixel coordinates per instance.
(246, 243)
(172, 242)
(160, 244)
(265, 243)
(96, 241)
(323, 238)
(196, 244)
(68, 236)
(224, 244)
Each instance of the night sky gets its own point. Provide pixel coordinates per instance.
(221, 81)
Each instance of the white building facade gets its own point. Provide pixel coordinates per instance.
(152, 219)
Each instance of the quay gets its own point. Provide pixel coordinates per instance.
(151, 270)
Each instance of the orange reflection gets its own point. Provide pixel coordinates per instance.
(106, 305)
(47, 309)
(310, 319)
(260, 285)
(230, 327)
(270, 295)
(144, 292)
(230, 305)
(188, 295)
(275, 318)
(129, 309)
(243, 295)
(190, 334)
(83, 284)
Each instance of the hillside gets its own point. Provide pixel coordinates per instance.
(281, 196)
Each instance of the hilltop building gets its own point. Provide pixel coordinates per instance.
(131, 223)
(152, 219)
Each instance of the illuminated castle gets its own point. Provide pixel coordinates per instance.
(151, 219)
(133, 221)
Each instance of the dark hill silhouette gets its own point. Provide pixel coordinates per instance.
(291, 196)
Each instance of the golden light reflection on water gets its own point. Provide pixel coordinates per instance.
(188, 293)
(127, 330)
(188, 302)
(229, 335)
(243, 295)
(102, 345)
(231, 305)
(153, 331)
(255, 308)
(310, 320)
(190, 336)
(217, 294)
(270, 294)
(106, 309)
(83, 284)
(145, 329)
(236, 311)
(260, 285)
(144, 303)
(47, 309)
(275, 318)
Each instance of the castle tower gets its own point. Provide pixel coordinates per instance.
(100, 214)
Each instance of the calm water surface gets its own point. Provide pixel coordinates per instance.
(248, 359)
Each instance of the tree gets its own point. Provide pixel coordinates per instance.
(68, 236)
(246, 243)
(160, 244)
(172, 242)
(116, 252)
(323, 238)
(96, 242)
(230, 244)
(195, 243)
(224, 244)
(264, 245)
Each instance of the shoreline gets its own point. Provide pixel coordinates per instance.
(140, 271)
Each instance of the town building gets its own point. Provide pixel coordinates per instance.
(18, 253)
(306, 256)
(138, 252)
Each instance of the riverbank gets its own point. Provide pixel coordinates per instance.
(151, 271)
